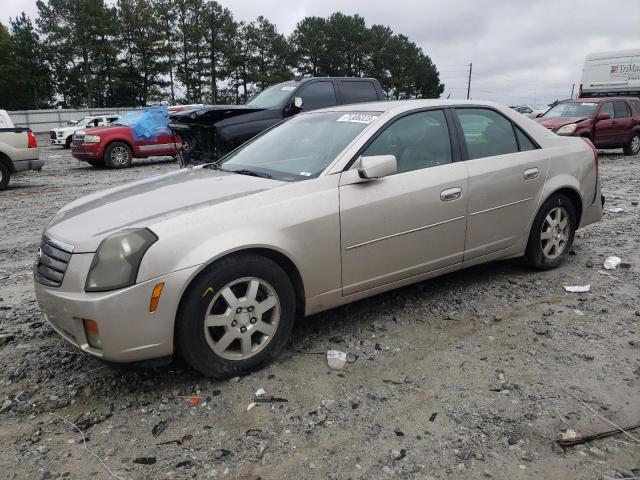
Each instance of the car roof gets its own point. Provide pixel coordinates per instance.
(398, 106)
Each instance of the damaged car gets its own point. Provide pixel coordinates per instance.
(211, 132)
(215, 263)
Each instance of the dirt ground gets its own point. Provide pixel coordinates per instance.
(471, 375)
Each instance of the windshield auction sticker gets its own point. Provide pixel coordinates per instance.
(357, 118)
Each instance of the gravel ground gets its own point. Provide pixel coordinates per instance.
(471, 375)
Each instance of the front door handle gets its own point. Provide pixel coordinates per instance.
(450, 194)
(531, 173)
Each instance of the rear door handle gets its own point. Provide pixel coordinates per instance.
(450, 194)
(531, 173)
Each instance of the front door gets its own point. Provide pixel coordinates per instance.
(604, 129)
(506, 177)
(409, 223)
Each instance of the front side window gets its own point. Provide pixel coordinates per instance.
(419, 140)
(607, 108)
(486, 133)
(318, 95)
(300, 148)
(620, 109)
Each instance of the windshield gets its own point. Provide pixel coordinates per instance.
(302, 147)
(82, 122)
(273, 96)
(571, 110)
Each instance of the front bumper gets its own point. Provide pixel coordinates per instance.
(128, 331)
(86, 151)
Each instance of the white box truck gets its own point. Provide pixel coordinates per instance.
(611, 74)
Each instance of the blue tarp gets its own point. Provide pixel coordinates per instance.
(147, 124)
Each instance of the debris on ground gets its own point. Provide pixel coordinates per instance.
(578, 288)
(611, 263)
(336, 359)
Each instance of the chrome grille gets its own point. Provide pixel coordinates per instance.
(78, 138)
(52, 134)
(52, 262)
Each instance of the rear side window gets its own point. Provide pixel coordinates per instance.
(486, 133)
(636, 104)
(621, 110)
(525, 142)
(357, 91)
(419, 140)
(318, 95)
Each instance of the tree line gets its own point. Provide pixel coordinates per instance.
(87, 53)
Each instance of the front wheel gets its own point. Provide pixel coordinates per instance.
(236, 316)
(552, 233)
(117, 155)
(633, 146)
(67, 143)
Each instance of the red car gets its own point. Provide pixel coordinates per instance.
(115, 145)
(611, 122)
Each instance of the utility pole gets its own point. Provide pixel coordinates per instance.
(469, 84)
(572, 87)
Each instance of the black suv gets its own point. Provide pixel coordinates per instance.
(208, 133)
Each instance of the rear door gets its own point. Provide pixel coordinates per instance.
(622, 122)
(507, 171)
(409, 223)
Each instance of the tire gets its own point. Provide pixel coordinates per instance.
(224, 293)
(67, 143)
(633, 146)
(547, 253)
(96, 163)
(5, 175)
(117, 155)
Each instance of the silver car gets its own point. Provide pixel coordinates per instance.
(326, 208)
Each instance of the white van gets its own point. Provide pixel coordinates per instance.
(609, 74)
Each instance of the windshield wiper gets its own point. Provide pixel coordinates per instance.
(253, 173)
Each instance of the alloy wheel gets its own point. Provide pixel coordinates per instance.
(635, 145)
(242, 318)
(119, 156)
(555, 233)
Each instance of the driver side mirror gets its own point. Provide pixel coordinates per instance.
(539, 115)
(297, 102)
(377, 166)
(602, 116)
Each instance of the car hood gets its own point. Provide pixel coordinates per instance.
(86, 221)
(557, 122)
(209, 115)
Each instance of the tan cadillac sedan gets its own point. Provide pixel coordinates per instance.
(325, 208)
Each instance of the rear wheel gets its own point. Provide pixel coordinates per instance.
(552, 233)
(5, 175)
(236, 316)
(117, 155)
(633, 146)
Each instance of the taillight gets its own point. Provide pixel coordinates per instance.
(33, 143)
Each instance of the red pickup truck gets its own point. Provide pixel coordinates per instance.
(115, 145)
(609, 122)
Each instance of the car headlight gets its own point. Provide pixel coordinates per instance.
(568, 129)
(117, 260)
(92, 139)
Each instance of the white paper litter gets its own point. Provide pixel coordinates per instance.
(578, 312)
(611, 263)
(251, 405)
(577, 288)
(259, 392)
(616, 210)
(336, 359)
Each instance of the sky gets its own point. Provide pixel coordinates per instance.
(523, 51)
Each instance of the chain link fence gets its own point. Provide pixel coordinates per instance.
(41, 121)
